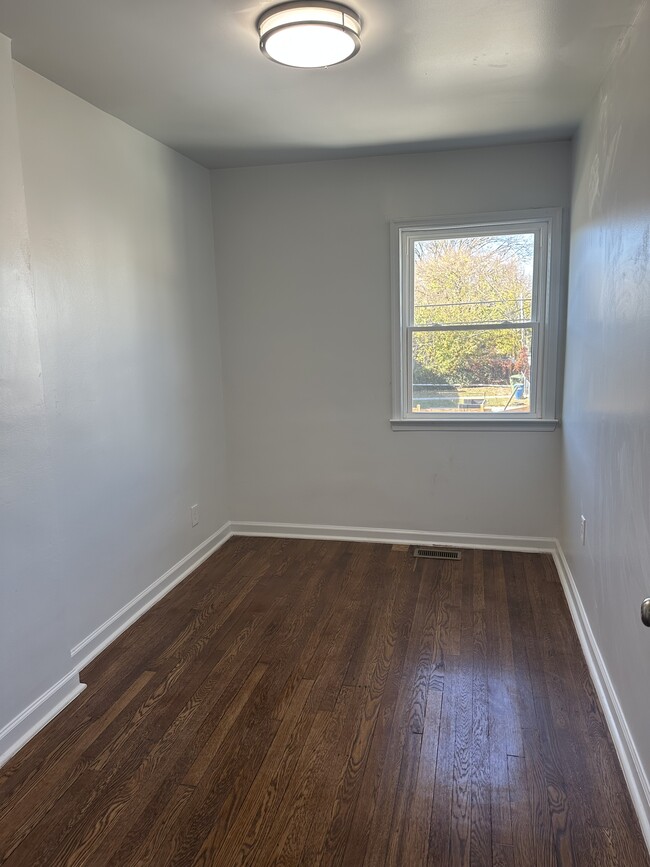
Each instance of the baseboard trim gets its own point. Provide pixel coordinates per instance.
(392, 536)
(35, 716)
(628, 755)
(107, 632)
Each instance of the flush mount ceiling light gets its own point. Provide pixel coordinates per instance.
(309, 34)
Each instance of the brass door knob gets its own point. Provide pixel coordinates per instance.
(645, 612)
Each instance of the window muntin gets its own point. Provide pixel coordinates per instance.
(474, 321)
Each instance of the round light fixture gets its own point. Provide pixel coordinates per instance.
(309, 35)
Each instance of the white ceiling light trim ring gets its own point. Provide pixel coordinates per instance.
(309, 34)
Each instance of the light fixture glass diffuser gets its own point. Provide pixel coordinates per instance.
(309, 35)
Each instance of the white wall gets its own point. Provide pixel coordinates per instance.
(606, 439)
(123, 259)
(110, 390)
(34, 653)
(304, 282)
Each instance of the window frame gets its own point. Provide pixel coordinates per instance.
(547, 306)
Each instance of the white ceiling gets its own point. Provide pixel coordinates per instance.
(430, 74)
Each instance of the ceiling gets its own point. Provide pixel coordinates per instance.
(430, 73)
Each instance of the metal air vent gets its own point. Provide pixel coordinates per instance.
(436, 553)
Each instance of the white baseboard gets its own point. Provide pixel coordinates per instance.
(23, 727)
(628, 755)
(393, 537)
(100, 638)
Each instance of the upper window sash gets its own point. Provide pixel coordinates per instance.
(539, 229)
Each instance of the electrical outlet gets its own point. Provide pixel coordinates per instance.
(583, 528)
(194, 511)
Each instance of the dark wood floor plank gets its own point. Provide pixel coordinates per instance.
(439, 844)
(381, 648)
(380, 587)
(505, 723)
(403, 742)
(523, 845)
(124, 788)
(461, 787)
(521, 628)
(317, 613)
(243, 841)
(332, 624)
(503, 856)
(212, 843)
(228, 776)
(504, 730)
(314, 775)
(481, 794)
(150, 638)
(143, 844)
(442, 639)
(429, 661)
(303, 702)
(96, 791)
(339, 645)
(398, 842)
(417, 822)
(460, 839)
(211, 748)
(542, 826)
(559, 784)
(58, 772)
(407, 588)
(214, 803)
(161, 708)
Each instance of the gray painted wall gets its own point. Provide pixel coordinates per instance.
(606, 433)
(123, 263)
(112, 422)
(304, 281)
(34, 596)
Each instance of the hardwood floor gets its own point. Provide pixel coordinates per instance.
(325, 703)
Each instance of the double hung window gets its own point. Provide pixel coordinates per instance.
(476, 311)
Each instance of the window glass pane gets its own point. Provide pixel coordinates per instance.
(474, 371)
(466, 280)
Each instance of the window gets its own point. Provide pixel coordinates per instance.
(476, 307)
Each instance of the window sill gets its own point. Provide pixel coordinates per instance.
(454, 424)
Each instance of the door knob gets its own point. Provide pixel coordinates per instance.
(645, 612)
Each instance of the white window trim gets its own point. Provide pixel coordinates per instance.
(544, 413)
